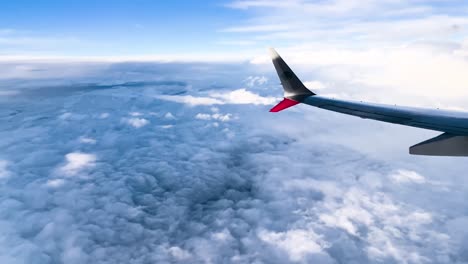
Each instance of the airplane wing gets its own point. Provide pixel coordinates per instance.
(453, 124)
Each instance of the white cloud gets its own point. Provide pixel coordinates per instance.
(216, 116)
(136, 114)
(297, 243)
(104, 115)
(4, 172)
(203, 116)
(253, 81)
(406, 176)
(408, 75)
(256, 28)
(243, 96)
(291, 19)
(405, 50)
(262, 3)
(169, 115)
(240, 96)
(254, 190)
(76, 162)
(55, 183)
(190, 100)
(350, 215)
(314, 85)
(87, 140)
(223, 236)
(179, 254)
(222, 118)
(136, 122)
(65, 116)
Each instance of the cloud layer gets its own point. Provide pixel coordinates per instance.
(130, 172)
(181, 162)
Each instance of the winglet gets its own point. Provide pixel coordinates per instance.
(273, 53)
(294, 89)
(286, 103)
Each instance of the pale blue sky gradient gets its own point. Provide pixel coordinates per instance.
(113, 27)
(233, 28)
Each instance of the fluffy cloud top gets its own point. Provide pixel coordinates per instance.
(136, 122)
(215, 116)
(242, 96)
(77, 161)
(297, 243)
(239, 96)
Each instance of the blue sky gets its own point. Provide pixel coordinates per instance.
(120, 27)
(242, 28)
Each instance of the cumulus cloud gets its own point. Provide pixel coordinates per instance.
(216, 116)
(203, 116)
(169, 115)
(179, 254)
(77, 161)
(239, 96)
(4, 172)
(405, 176)
(316, 190)
(253, 81)
(136, 122)
(55, 183)
(243, 96)
(136, 114)
(297, 243)
(191, 100)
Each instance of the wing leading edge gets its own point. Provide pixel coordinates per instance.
(454, 141)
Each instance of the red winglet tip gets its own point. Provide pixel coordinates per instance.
(286, 103)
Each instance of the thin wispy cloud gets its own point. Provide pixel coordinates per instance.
(347, 21)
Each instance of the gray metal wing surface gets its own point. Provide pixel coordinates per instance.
(453, 124)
